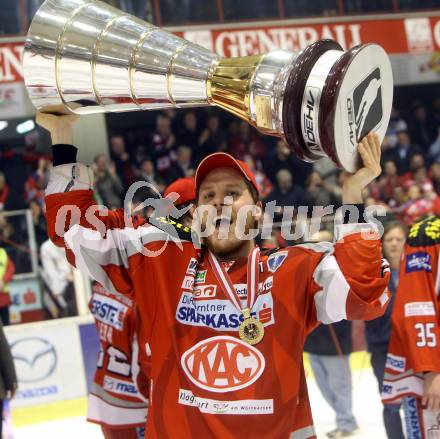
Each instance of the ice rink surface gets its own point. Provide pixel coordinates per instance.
(367, 410)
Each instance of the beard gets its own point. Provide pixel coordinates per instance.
(231, 242)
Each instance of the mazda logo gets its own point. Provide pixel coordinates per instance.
(35, 359)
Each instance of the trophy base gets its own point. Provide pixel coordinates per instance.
(334, 98)
(357, 99)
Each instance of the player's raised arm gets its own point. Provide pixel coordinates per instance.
(92, 235)
(350, 280)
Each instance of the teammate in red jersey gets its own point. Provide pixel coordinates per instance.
(118, 400)
(413, 363)
(226, 322)
(185, 190)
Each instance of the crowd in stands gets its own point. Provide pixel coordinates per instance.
(172, 143)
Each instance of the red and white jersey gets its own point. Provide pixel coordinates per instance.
(206, 381)
(415, 336)
(116, 398)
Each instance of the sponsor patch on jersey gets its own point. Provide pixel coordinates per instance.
(418, 261)
(396, 363)
(276, 260)
(108, 311)
(201, 276)
(204, 291)
(192, 267)
(223, 364)
(413, 424)
(188, 283)
(263, 287)
(238, 407)
(119, 386)
(419, 309)
(221, 314)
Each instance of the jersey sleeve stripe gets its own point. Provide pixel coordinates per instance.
(331, 300)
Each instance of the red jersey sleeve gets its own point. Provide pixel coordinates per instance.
(97, 240)
(350, 279)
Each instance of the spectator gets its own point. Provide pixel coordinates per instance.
(163, 143)
(285, 159)
(436, 112)
(148, 173)
(37, 182)
(402, 153)
(7, 232)
(397, 200)
(378, 331)
(417, 206)
(422, 127)
(189, 133)
(264, 184)
(435, 177)
(434, 149)
(183, 167)
(8, 377)
(286, 193)
(58, 276)
(140, 154)
(318, 192)
(7, 271)
(329, 347)
(107, 183)
(383, 189)
(395, 125)
(247, 141)
(417, 173)
(40, 224)
(121, 159)
(211, 140)
(4, 192)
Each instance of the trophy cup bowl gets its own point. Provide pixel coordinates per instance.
(84, 56)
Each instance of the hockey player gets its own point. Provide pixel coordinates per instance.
(225, 322)
(412, 373)
(118, 400)
(185, 189)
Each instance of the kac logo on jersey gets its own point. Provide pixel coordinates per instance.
(418, 261)
(274, 261)
(223, 364)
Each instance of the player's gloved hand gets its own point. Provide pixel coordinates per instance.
(369, 150)
(431, 391)
(59, 127)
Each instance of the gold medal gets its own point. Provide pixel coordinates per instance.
(251, 329)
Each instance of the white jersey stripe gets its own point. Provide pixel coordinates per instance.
(331, 301)
(103, 412)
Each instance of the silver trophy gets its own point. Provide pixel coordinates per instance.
(84, 56)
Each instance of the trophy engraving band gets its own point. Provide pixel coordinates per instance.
(311, 100)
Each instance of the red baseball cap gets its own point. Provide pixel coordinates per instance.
(223, 160)
(185, 188)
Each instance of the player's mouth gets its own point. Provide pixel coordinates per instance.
(221, 223)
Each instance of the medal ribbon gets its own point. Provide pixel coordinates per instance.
(252, 279)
